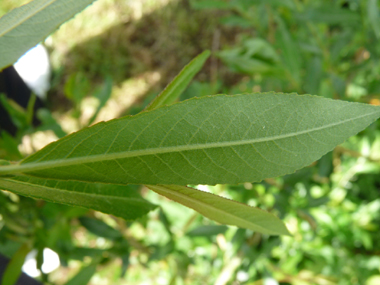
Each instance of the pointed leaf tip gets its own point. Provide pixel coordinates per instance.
(223, 210)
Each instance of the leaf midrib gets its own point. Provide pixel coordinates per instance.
(23, 20)
(35, 166)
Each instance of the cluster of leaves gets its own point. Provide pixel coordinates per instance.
(322, 47)
(218, 140)
(327, 48)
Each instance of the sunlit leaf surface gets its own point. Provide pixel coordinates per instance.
(209, 140)
(24, 27)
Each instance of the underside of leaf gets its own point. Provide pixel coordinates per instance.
(209, 140)
(26, 26)
(119, 200)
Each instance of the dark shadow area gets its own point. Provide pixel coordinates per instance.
(164, 41)
(14, 88)
(23, 279)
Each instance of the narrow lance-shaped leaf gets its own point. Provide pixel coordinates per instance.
(102, 94)
(118, 200)
(24, 27)
(223, 210)
(175, 88)
(290, 52)
(374, 16)
(13, 269)
(330, 14)
(208, 140)
(83, 276)
(100, 228)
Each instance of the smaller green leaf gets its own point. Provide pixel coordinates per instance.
(118, 200)
(223, 210)
(29, 112)
(281, 3)
(13, 270)
(330, 15)
(165, 222)
(125, 264)
(9, 147)
(374, 16)
(290, 52)
(102, 94)
(314, 75)
(4, 162)
(211, 4)
(80, 253)
(77, 87)
(17, 113)
(253, 56)
(49, 123)
(181, 81)
(207, 231)
(99, 228)
(83, 276)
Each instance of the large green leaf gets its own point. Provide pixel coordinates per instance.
(208, 140)
(223, 210)
(118, 200)
(26, 26)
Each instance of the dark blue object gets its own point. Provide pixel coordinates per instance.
(12, 85)
(23, 279)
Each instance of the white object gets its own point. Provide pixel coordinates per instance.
(34, 68)
(51, 263)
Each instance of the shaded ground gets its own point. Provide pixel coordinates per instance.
(160, 42)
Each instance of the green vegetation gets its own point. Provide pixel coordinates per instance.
(240, 144)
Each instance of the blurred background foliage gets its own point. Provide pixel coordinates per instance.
(113, 58)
